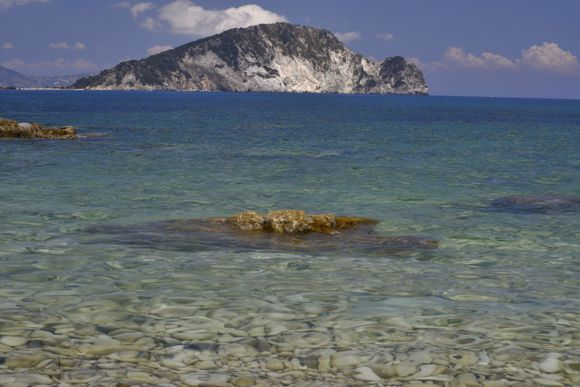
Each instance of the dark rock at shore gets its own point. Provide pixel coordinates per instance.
(13, 129)
(286, 230)
(537, 204)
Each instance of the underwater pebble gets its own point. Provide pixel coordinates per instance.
(24, 360)
(324, 362)
(425, 370)
(25, 380)
(464, 358)
(402, 369)
(421, 357)
(82, 376)
(274, 365)
(496, 383)
(405, 368)
(13, 341)
(236, 350)
(105, 349)
(108, 366)
(206, 365)
(366, 374)
(129, 356)
(467, 380)
(483, 358)
(205, 380)
(547, 382)
(348, 359)
(551, 363)
(243, 381)
(295, 364)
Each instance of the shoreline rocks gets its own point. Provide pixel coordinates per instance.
(14, 129)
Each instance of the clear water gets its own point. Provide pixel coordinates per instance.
(498, 301)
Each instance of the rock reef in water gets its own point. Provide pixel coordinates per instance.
(537, 204)
(277, 57)
(13, 129)
(284, 230)
(295, 221)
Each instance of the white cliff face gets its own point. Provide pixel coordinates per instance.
(271, 57)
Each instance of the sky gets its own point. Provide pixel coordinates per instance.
(502, 48)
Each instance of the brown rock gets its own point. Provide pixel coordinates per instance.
(295, 222)
(248, 221)
(12, 129)
(288, 221)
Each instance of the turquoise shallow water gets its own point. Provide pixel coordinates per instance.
(496, 303)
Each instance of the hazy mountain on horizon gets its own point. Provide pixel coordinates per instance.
(12, 78)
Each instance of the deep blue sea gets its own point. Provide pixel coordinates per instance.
(83, 302)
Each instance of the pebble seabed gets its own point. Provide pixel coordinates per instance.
(188, 329)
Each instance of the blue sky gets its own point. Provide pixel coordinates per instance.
(525, 48)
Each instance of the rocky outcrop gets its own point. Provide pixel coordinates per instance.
(295, 222)
(13, 129)
(537, 204)
(283, 230)
(278, 57)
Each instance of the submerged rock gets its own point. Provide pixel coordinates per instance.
(538, 204)
(13, 129)
(284, 230)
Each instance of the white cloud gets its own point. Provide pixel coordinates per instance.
(545, 56)
(349, 36)
(5, 4)
(7, 45)
(495, 60)
(59, 65)
(139, 8)
(59, 45)
(386, 36)
(458, 56)
(186, 18)
(158, 49)
(151, 24)
(65, 46)
(550, 57)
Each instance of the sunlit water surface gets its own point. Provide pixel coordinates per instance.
(496, 303)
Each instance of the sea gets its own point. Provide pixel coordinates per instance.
(94, 292)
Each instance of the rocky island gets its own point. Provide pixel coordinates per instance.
(14, 129)
(277, 57)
